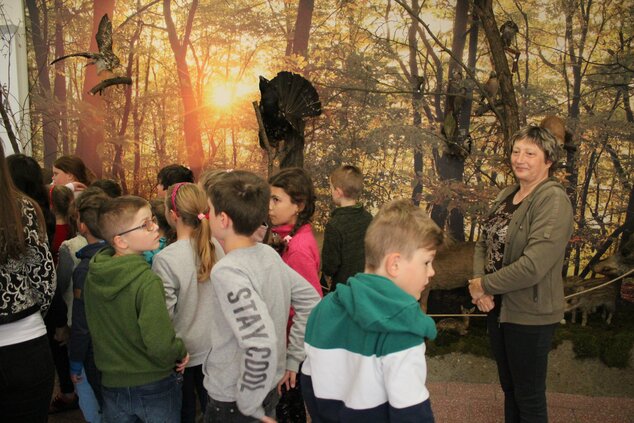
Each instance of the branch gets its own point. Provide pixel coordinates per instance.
(7, 125)
(117, 80)
(141, 10)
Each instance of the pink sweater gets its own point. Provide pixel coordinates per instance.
(302, 254)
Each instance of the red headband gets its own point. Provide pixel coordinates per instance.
(174, 192)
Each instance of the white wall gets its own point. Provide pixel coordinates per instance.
(14, 73)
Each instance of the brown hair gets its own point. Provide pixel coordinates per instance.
(76, 167)
(12, 240)
(63, 205)
(244, 197)
(296, 182)
(400, 227)
(117, 214)
(158, 210)
(190, 204)
(543, 139)
(349, 179)
(209, 177)
(88, 205)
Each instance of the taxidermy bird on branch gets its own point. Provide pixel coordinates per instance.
(286, 101)
(105, 60)
(508, 31)
(492, 86)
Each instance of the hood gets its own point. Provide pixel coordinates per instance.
(90, 250)
(109, 275)
(378, 305)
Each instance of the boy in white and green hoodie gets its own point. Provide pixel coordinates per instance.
(365, 344)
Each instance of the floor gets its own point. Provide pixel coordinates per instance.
(482, 403)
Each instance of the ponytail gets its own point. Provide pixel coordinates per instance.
(189, 203)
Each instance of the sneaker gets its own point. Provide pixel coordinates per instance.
(61, 404)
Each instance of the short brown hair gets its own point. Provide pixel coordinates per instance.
(117, 214)
(349, 179)
(244, 197)
(88, 205)
(76, 167)
(543, 139)
(400, 227)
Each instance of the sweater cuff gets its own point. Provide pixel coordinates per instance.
(292, 364)
(75, 367)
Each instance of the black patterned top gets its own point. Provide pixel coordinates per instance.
(27, 284)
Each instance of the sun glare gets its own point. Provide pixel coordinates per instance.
(221, 96)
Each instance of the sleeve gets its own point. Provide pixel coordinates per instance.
(79, 334)
(304, 264)
(65, 267)
(248, 319)
(303, 300)
(404, 377)
(155, 325)
(39, 262)
(171, 283)
(549, 234)
(331, 250)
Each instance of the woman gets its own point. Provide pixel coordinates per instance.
(517, 266)
(27, 281)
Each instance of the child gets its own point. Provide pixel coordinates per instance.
(81, 356)
(170, 175)
(290, 209)
(365, 343)
(134, 342)
(252, 291)
(166, 233)
(185, 266)
(342, 254)
(56, 320)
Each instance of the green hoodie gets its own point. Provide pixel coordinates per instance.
(133, 337)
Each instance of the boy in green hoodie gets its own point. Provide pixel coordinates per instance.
(134, 342)
(365, 343)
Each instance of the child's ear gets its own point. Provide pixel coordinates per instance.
(119, 242)
(392, 263)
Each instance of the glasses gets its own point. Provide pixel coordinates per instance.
(148, 225)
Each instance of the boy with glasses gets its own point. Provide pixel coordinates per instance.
(134, 342)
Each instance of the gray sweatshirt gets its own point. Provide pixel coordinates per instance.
(253, 290)
(188, 301)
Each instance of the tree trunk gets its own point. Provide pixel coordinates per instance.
(302, 27)
(417, 96)
(60, 81)
(91, 133)
(191, 121)
(508, 113)
(450, 164)
(43, 104)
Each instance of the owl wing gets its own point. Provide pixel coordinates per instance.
(104, 35)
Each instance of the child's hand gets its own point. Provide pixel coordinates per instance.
(75, 378)
(180, 368)
(288, 380)
(62, 335)
(267, 419)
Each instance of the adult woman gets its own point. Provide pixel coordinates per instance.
(519, 259)
(27, 284)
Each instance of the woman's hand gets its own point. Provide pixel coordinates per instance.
(475, 289)
(485, 303)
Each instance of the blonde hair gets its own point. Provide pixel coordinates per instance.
(400, 227)
(209, 178)
(349, 179)
(189, 203)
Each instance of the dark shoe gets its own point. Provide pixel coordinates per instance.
(61, 404)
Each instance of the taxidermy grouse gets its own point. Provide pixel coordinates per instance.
(286, 100)
(508, 30)
(105, 59)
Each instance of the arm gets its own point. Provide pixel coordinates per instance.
(331, 251)
(304, 263)
(39, 262)
(171, 283)
(155, 325)
(248, 319)
(79, 333)
(550, 232)
(404, 375)
(303, 300)
(65, 267)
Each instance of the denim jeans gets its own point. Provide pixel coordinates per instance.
(27, 375)
(156, 402)
(521, 353)
(227, 412)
